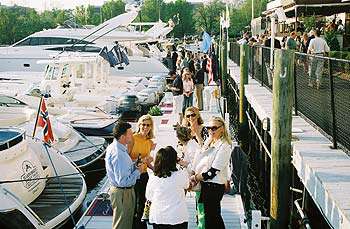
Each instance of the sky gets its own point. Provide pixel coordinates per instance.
(49, 4)
(42, 5)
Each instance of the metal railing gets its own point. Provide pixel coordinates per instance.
(321, 89)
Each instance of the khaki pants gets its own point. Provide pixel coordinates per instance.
(123, 204)
(199, 96)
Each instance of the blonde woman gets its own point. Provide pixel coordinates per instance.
(213, 180)
(188, 89)
(193, 120)
(140, 149)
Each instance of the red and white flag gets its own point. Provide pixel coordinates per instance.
(210, 71)
(44, 122)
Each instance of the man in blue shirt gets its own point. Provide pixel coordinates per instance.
(122, 174)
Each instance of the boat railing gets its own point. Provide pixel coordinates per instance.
(31, 215)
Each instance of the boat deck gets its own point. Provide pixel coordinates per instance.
(99, 213)
(53, 201)
(323, 171)
(86, 151)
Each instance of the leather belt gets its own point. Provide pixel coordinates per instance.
(124, 187)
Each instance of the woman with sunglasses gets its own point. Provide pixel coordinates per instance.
(166, 191)
(194, 121)
(214, 178)
(140, 150)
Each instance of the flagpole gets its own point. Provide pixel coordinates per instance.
(37, 116)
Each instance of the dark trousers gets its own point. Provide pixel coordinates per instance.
(168, 226)
(211, 195)
(188, 102)
(140, 191)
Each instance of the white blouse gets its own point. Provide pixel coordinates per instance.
(168, 198)
(188, 85)
(218, 156)
(187, 152)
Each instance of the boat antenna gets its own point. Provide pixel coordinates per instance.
(82, 39)
(101, 35)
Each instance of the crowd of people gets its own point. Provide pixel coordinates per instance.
(189, 75)
(311, 44)
(151, 186)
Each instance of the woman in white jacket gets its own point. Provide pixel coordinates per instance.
(214, 173)
(166, 191)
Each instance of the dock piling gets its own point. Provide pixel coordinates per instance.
(243, 122)
(281, 167)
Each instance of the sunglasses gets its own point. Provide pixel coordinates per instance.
(145, 124)
(191, 115)
(213, 128)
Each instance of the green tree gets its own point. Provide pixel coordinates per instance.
(184, 11)
(240, 17)
(6, 26)
(22, 22)
(207, 17)
(94, 17)
(153, 10)
(150, 11)
(112, 8)
(332, 41)
(81, 15)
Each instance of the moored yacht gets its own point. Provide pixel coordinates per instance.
(39, 187)
(82, 150)
(47, 44)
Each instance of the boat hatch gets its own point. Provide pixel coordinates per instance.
(10, 137)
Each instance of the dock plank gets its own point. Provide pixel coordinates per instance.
(231, 206)
(325, 172)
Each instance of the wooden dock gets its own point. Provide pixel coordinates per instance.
(231, 206)
(325, 172)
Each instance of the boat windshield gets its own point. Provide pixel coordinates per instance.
(9, 101)
(10, 137)
(51, 72)
(34, 91)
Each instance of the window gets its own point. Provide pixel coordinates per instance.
(6, 100)
(51, 72)
(48, 73)
(55, 73)
(26, 42)
(92, 49)
(76, 48)
(65, 71)
(58, 40)
(34, 41)
(44, 41)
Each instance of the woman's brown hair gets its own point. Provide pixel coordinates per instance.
(165, 162)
